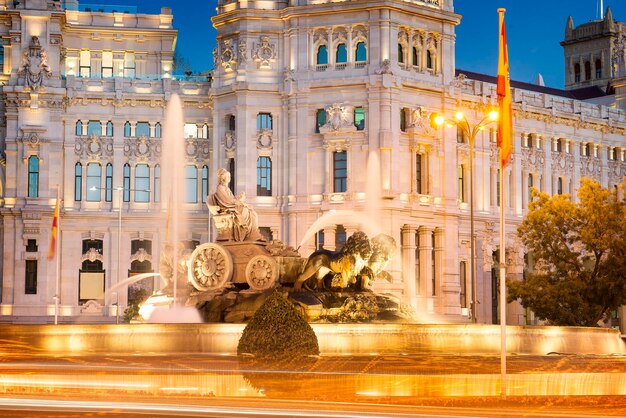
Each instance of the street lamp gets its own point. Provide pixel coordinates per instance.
(119, 190)
(470, 131)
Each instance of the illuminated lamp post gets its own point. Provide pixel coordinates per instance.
(470, 131)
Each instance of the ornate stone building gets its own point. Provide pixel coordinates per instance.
(315, 106)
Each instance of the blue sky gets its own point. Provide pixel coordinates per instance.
(534, 30)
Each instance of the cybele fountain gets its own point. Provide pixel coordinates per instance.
(227, 280)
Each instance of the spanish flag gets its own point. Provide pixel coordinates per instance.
(505, 119)
(55, 227)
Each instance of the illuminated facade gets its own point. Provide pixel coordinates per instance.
(302, 93)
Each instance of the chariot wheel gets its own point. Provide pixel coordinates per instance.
(210, 266)
(261, 272)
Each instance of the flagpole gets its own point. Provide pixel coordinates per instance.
(502, 290)
(505, 128)
(58, 259)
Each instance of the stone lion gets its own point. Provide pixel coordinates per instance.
(344, 265)
(383, 249)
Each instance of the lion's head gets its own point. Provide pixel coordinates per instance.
(358, 245)
(383, 248)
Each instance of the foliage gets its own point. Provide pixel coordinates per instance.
(277, 330)
(138, 295)
(579, 250)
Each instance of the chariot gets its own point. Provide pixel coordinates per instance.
(226, 263)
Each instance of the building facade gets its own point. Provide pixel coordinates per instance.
(320, 110)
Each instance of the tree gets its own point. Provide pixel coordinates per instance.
(579, 250)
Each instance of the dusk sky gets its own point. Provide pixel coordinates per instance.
(534, 30)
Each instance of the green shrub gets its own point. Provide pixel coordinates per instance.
(278, 331)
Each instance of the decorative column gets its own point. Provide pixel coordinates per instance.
(408, 263)
(439, 284)
(426, 269)
(330, 234)
(351, 229)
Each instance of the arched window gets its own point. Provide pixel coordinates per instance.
(587, 70)
(157, 183)
(361, 52)
(264, 121)
(341, 55)
(94, 173)
(577, 73)
(530, 187)
(264, 176)
(33, 176)
(205, 131)
(415, 56)
(559, 185)
(205, 182)
(78, 182)
(191, 184)
(94, 127)
(126, 182)
(430, 63)
(598, 68)
(109, 128)
(400, 54)
(157, 130)
(127, 129)
(142, 183)
(108, 186)
(340, 172)
(142, 129)
(322, 55)
(79, 128)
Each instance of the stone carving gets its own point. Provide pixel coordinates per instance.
(358, 264)
(343, 265)
(142, 149)
(385, 68)
(94, 147)
(288, 74)
(562, 163)
(264, 52)
(339, 118)
(488, 246)
(460, 81)
(419, 121)
(230, 142)
(197, 149)
(242, 49)
(228, 57)
(277, 248)
(533, 159)
(617, 171)
(264, 139)
(234, 219)
(34, 65)
(141, 255)
(619, 46)
(92, 255)
(591, 167)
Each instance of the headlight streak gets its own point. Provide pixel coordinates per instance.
(49, 405)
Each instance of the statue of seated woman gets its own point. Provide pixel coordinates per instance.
(245, 224)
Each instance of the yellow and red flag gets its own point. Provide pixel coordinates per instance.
(505, 119)
(55, 227)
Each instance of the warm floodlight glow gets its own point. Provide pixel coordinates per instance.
(439, 120)
(459, 115)
(493, 115)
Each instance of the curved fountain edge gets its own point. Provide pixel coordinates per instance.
(334, 339)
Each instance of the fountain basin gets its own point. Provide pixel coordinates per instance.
(334, 339)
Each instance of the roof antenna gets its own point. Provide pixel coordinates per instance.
(601, 9)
